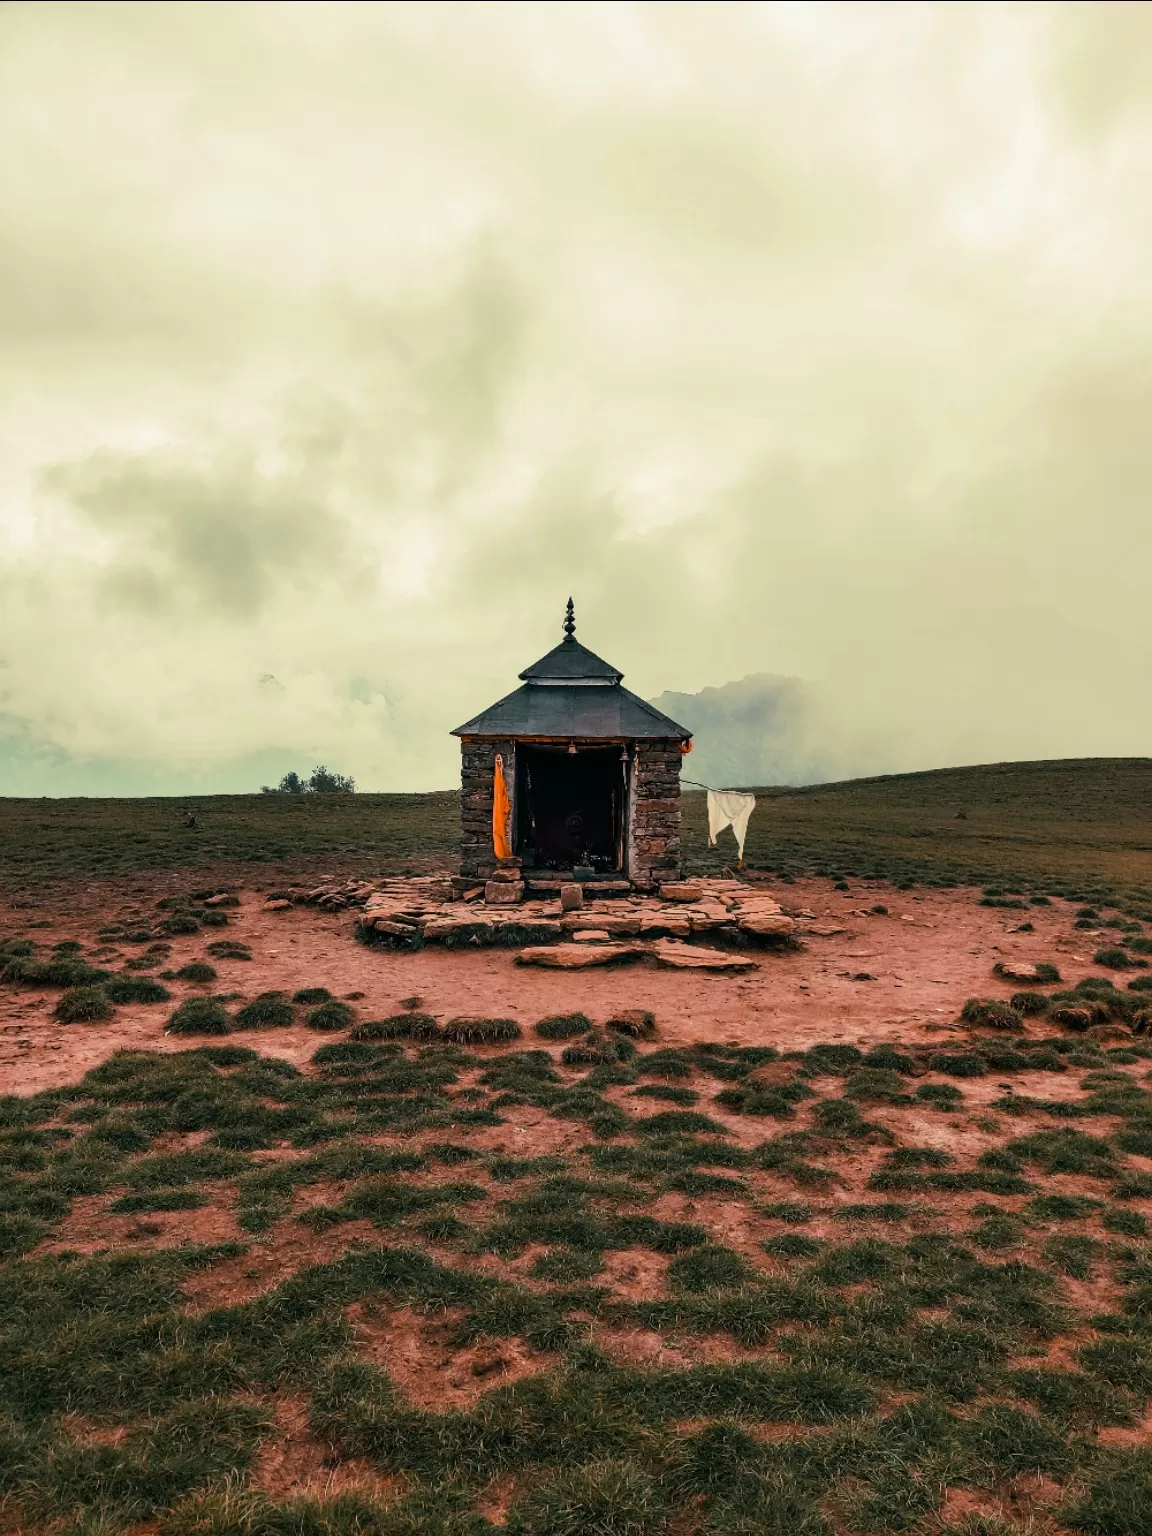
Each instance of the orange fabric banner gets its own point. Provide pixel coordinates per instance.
(501, 812)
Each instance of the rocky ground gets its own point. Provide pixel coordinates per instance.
(786, 1242)
(856, 974)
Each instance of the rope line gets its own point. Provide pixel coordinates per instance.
(696, 784)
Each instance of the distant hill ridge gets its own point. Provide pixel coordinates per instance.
(1023, 768)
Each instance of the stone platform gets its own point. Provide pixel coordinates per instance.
(670, 927)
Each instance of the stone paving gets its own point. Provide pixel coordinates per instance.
(565, 925)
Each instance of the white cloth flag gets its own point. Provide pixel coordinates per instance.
(729, 808)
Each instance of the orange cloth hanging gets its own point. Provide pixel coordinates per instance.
(501, 812)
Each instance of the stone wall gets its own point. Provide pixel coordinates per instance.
(477, 768)
(654, 821)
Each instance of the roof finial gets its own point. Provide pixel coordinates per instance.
(570, 621)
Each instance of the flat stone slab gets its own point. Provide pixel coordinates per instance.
(686, 957)
(681, 890)
(659, 926)
(623, 925)
(577, 957)
(768, 924)
(705, 917)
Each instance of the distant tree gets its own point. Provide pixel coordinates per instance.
(321, 781)
(290, 784)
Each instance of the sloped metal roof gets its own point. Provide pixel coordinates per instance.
(572, 692)
(571, 662)
(573, 710)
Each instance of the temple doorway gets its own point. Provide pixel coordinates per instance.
(571, 807)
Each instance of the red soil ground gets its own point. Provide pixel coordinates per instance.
(932, 951)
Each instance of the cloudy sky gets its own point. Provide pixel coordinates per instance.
(340, 343)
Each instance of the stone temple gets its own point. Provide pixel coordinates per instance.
(572, 777)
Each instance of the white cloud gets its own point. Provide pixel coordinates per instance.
(339, 343)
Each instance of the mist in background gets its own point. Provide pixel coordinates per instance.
(762, 730)
(803, 344)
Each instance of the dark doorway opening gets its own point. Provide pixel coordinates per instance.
(570, 807)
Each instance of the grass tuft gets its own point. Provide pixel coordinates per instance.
(84, 1005)
(136, 989)
(989, 1013)
(680, 1122)
(63, 971)
(200, 1016)
(613, 1497)
(791, 1211)
(889, 1059)
(595, 1050)
(940, 1095)
(228, 949)
(478, 1031)
(180, 923)
(196, 970)
(964, 1064)
(398, 1026)
(1073, 1017)
(792, 1245)
(268, 1011)
(1117, 1218)
(877, 1085)
(668, 1092)
(637, 1023)
(1113, 958)
(708, 1268)
(1030, 1004)
(564, 1266)
(563, 1026)
(329, 1015)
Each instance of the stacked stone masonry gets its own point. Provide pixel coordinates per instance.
(477, 785)
(679, 927)
(654, 849)
(654, 830)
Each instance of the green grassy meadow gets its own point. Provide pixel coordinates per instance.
(897, 1329)
(48, 842)
(717, 1291)
(1066, 826)
(1074, 826)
